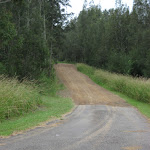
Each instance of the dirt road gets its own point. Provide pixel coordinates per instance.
(89, 127)
(83, 90)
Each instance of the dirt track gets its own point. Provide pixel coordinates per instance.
(84, 91)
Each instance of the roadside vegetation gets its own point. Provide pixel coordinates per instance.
(29, 36)
(135, 91)
(27, 104)
(17, 98)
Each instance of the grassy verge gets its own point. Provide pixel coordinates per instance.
(50, 106)
(136, 91)
(17, 98)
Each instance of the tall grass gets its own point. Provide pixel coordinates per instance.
(136, 88)
(17, 98)
(49, 85)
(24, 98)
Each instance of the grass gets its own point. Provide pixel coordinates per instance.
(54, 107)
(17, 98)
(136, 91)
(50, 106)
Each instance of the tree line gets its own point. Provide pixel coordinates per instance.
(116, 40)
(30, 35)
(34, 33)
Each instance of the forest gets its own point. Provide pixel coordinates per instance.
(30, 33)
(35, 34)
(116, 40)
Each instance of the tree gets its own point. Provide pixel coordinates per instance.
(116, 40)
(29, 31)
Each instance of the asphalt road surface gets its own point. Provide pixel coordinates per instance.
(106, 123)
(89, 127)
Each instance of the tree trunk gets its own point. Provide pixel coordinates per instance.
(40, 6)
(51, 52)
(28, 15)
(19, 20)
(44, 23)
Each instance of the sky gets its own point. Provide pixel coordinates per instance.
(77, 5)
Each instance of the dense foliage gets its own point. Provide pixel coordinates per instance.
(116, 40)
(30, 31)
(32, 35)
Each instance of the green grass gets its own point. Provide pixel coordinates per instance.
(53, 107)
(144, 108)
(50, 106)
(136, 91)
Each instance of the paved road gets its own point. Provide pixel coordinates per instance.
(89, 127)
(103, 122)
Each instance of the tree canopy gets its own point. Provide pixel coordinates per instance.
(34, 33)
(30, 31)
(115, 39)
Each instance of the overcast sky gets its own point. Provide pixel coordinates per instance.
(77, 5)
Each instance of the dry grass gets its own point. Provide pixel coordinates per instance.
(136, 88)
(17, 98)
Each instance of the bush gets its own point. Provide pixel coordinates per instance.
(49, 85)
(2, 69)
